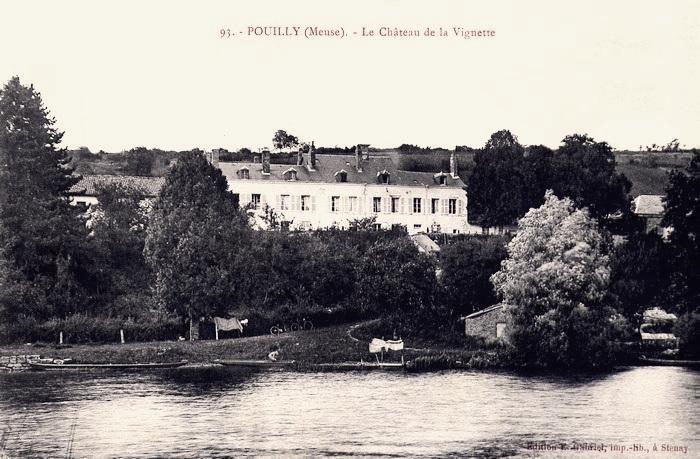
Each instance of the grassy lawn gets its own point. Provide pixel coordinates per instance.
(326, 345)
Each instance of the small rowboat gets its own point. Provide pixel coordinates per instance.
(669, 362)
(104, 366)
(256, 363)
(360, 366)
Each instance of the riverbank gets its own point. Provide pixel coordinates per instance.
(325, 345)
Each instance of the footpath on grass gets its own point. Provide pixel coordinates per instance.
(342, 343)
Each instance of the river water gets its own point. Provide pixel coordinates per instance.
(207, 412)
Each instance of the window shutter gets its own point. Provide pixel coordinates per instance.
(278, 202)
(295, 202)
(313, 203)
(263, 201)
(344, 204)
(387, 204)
(403, 205)
(444, 206)
(460, 204)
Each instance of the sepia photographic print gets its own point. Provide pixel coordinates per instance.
(386, 228)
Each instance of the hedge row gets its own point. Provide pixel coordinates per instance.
(81, 328)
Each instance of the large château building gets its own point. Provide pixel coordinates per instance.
(325, 191)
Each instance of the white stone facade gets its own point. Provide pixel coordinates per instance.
(335, 190)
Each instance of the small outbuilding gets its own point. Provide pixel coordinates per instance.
(489, 323)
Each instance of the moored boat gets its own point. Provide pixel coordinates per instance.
(103, 366)
(360, 366)
(255, 363)
(669, 362)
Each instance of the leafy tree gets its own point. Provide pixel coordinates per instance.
(496, 185)
(682, 214)
(119, 223)
(362, 224)
(283, 140)
(553, 283)
(139, 161)
(41, 235)
(584, 171)
(195, 233)
(538, 176)
(466, 270)
(640, 270)
(393, 277)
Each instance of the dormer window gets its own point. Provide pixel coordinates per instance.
(243, 173)
(341, 176)
(383, 177)
(290, 174)
(441, 178)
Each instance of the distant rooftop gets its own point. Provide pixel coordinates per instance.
(328, 166)
(424, 243)
(648, 205)
(89, 184)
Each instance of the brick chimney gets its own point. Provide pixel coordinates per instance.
(266, 161)
(358, 158)
(312, 157)
(453, 165)
(213, 157)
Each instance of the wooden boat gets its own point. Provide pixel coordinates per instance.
(104, 366)
(669, 362)
(360, 366)
(256, 363)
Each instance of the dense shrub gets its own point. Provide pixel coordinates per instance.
(80, 328)
(687, 329)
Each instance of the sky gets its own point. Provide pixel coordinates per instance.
(122, 74)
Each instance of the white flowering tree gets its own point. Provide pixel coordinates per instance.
(554, 283)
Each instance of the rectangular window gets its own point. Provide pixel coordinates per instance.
(335, 204)
(305, 202)
(434, 205)
(255, 201)
(394, 205)
(376, 204)
(416, 205)
(352, 204)
(377, 226)
(452, 206)
(284, 202)
(416, 227)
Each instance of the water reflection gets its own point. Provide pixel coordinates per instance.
(228, 412)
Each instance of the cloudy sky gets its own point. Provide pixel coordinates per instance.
(129, 73)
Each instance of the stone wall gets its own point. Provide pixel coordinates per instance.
(484, 325)
(17, 362)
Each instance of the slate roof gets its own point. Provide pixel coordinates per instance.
(648, 205)
(328, 165)
(87, 186)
